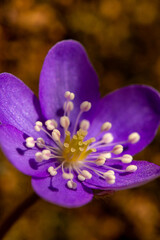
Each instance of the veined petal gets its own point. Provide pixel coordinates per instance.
(130, 109)
(12, 142)
(67, 68)
(145, 172)
(54, 190)
(18, 104)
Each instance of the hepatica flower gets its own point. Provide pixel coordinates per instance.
(70, 140)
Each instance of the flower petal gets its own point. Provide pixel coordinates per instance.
(130, 109)
(66, 68)
(18, 105)
(145, 172)
(12, 142)
(54, 190)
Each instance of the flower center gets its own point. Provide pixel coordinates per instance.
(72, 154)
(75, 148)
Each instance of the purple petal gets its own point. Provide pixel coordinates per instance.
(146, 172)
(18, 105)
(131, 109)
(12, 142)
(67, 68)
(54, 190)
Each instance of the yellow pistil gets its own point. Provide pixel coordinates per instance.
(75, 149)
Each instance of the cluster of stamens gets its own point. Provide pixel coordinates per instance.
(76, 156)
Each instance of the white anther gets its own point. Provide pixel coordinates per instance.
(117, 149)
(85, 106)
(110, 177)
(52, 171)
(86, 174)
(106, 155)
(134, 137)
(84, 125)
(110, 181)
(65, 122)
(46, 154)
(131, 168)
(67, 175)
(30, 143)
(107, 138)
(68, 106)
(39, 157)
(106, 126)
(51, 124)
(109, 172)
(100, 161)
(81, 178)
(38, 126)
(56, 135)
(71, 184)
(126, 158)
(69, 95)
(40, 142)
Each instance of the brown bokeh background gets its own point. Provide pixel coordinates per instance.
(122, 38)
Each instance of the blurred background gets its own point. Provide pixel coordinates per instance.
(122, 38)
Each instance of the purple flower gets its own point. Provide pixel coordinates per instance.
(70, 141)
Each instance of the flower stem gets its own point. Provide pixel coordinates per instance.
(16, 214)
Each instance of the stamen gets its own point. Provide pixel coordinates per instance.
(38, 126)
(71, 184)
(109, 172)
(39, 157)
(107, 138)
(84, 125)
(117, 149)
(69, 95)
(67, 175)
(126, 158)
(52, 171)
(56, 135)
(81, 178)
(85, 106)
(30, 143)
(133, 137)
(100, 161)
(40, 142)
(131, 168)
(106, 126)
(86, 174)
(68, 107)
(65, 122)
(46, 154)
(51, 124)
